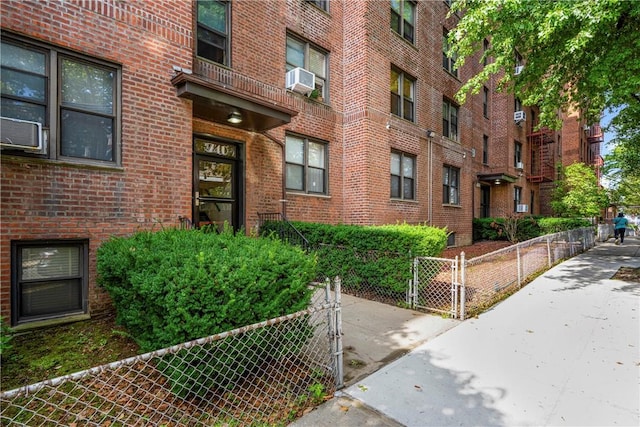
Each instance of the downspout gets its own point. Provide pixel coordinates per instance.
(430, 207)
(283, 200)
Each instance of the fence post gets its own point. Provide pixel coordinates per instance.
(461, 266)
(549, 251)
(338, 334)
(518, 264)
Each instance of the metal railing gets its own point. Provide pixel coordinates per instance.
(284, 229)
(267, 373)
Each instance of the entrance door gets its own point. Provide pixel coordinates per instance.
(217, 185)
(485, 192)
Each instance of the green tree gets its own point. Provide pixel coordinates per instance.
(625, 193)
(578, 194)
(622, 165)
(578, 54)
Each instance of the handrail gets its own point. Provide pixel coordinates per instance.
(286, 231)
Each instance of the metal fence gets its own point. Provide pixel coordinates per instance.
(262, 374)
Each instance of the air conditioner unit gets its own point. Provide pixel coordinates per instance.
(518, 69)
(300, 80)
(20, 134)
(522, 208)
(519, 116)
(520, 165)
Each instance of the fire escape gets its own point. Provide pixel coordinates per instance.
(543, 155)
(595, 138)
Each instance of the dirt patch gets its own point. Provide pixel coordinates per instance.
(628, 274)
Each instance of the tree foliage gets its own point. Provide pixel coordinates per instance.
(578, 54)
(578, 194)
(622, 165)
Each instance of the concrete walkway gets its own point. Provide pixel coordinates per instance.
(565, 350)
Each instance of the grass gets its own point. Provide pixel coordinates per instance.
(47, 353)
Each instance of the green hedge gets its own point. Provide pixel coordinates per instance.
(374, 255)
(174, 286)
(528, 227)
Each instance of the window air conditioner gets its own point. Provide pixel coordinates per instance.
(520, 165)
(519, 116)
(300, 80)
(518, 69)
(522, 208)
(20, 134)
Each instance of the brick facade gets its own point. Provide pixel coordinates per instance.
(44, 199)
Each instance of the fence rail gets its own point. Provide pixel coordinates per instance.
(262, 374)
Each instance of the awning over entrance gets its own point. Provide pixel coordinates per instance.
(224, 105)
(496, 178)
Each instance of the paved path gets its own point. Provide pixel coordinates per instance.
(565, 350)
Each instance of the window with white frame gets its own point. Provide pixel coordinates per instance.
(49, 279)
(450, 185)
(213, 31)
(403, 18)
(517, 104)
(306, 165)
(448, 60)
(449, 120)
(402, 94)
(517, 153)
(303, 54)
(517, 198)
(79, 110)
(403, 176)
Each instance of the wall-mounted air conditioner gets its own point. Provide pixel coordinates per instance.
(518, 69)
(522, 208)
(20, 134)
(519, 116)
(520, 165)
(300, 80)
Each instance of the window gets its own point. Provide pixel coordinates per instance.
(311, 58)
(213, 31)
(531, 200)
(485, 48)
(306, 168)
(79, 110)
(450, 185)
(517, 197)
(403, 176)
(402, 94)
(517, 104)
(485, 149)
(449, 120)
(485, 101)
(517, 153)
(403, 18)
(49, 279)
(448, 62)
(322, 4)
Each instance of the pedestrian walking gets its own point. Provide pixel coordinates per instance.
(620, 224)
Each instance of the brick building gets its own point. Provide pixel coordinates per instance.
(135, 114)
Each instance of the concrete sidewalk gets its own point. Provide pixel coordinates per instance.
(565, 350)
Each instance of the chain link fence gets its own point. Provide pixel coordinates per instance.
(263, 374)
(487, 278)
(435, 285)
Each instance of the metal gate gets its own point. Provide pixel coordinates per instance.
(436, 285)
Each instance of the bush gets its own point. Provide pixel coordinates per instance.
(528, 227)
(374, 255)
(174, 286)
(6, 335)
(555, 225)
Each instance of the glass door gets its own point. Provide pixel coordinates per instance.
(216, 185)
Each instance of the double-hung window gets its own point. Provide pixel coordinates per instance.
(449, 120)
(517, 153)
(450, 185)
(403, 18)
(306, 165)
(49, 279)
(305, 55)
(517, 198)
(78, 111)
(213, 31)
(403, 176)
(322, 4)
(485, 102)
(402, 95)
(448, 59)
(485, 149)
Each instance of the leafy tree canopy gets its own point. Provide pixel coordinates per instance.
(578, 194)
(623, 163)
(578, 54)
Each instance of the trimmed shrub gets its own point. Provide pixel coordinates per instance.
(378, 256)
(174, 286)
(529, 227)
(555, 225)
